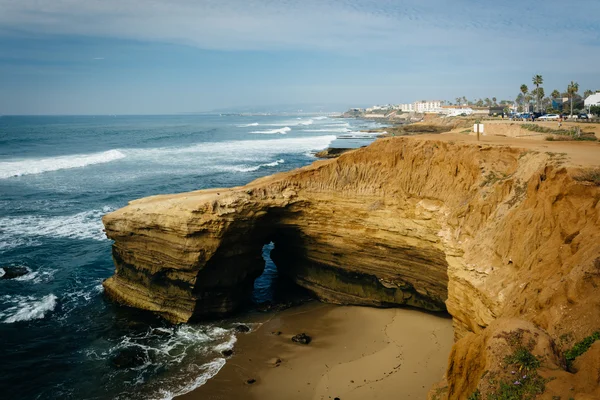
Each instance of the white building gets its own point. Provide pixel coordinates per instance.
(592, 100)
(422, 106)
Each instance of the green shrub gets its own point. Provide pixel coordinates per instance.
(523, 358)
(583, 346)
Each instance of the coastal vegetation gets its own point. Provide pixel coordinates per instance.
(584, 345)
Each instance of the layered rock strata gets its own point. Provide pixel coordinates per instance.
(491, 234)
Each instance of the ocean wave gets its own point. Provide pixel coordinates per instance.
(10, 169)
(306, 123)
(16, 243)
(321, 117)
(39, 276)
(83, 225)
(281, 131)
(336, 130)
(202, 374)
(248, 125)
(244, 168)
(27, 308)
(174, 360)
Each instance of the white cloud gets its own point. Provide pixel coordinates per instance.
(304, 24)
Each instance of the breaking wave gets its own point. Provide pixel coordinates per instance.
(27, 308)
(244, 168)
(248, 125)
(281, 131)
(9, 169)
(83, 225)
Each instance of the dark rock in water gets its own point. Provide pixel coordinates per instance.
(276, 333)
(14, 272)
(227, 353)
(129, 358)
(250, 381)
(302, 338)
(242, 328)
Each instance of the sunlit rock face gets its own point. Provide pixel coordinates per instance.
(483, 232)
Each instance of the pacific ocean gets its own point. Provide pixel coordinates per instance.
(58, 175)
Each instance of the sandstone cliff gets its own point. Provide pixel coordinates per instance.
(500, 237)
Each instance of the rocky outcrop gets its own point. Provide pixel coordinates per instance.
(491, 234)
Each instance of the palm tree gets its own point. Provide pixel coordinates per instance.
(488, 102)
(524, 90)
(571, 90)
(555, 94)
(494, 100)
(458, 101)
(537, 81)
(587, 93)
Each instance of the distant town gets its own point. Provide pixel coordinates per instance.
(532, 103)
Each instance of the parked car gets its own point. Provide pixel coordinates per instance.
(549, 117)
(537, 115)
(583, 116)
(525, 116)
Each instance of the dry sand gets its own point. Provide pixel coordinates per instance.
(356, 353)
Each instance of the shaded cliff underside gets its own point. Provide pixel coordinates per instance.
(500, 237)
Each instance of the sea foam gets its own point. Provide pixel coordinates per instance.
(244, 168)
(9, 169)
(27, 308)
(281, 131)
(83, 225)
(248, 125)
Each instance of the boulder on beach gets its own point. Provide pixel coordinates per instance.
(301, 338)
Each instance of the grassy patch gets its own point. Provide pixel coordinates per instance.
(524, 359)
(560, 134)
(589, 175)
(580, 347)
(525, 388)
(520, 379)
(476, 395)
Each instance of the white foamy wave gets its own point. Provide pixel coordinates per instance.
(36, 276)
(2, 272)
(336, 130)
(248, 125)
(203, 373)
(321, 117)
(16, 243)
(27, 308)
(281, 131)
(9, 169)
(254, 168)
(83, 225)
(306, 123)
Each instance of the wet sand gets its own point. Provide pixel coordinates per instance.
(355, 353)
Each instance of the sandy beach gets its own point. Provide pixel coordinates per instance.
(355, 353)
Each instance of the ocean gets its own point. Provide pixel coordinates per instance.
(59, 336)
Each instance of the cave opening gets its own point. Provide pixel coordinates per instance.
(274, 288)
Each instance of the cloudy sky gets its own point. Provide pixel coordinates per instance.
(170, 56)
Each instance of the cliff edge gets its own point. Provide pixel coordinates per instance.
(505, 239)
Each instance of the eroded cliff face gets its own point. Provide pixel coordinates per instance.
(491, 234)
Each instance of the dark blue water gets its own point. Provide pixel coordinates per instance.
(58, 175)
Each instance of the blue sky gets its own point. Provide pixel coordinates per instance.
(170, 56)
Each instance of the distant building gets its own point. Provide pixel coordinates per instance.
(422, 106)
(496, 110)
(592, 100)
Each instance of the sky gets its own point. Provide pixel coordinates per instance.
(177, 56)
